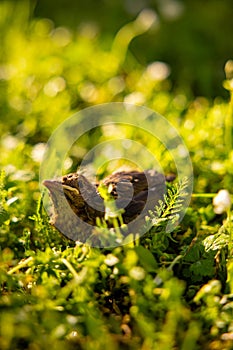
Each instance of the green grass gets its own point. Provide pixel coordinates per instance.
(167, 290)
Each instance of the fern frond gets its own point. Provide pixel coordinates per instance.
(170, 207)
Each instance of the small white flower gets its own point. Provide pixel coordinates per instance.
(222, 202)
(137, 273)
(111, 260)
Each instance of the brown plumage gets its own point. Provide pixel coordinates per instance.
(77, 202)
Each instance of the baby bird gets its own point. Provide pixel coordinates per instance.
(77, 202)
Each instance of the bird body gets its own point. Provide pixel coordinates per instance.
(77, 202)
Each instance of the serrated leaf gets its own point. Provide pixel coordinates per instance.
(203, 267)
(193, 254)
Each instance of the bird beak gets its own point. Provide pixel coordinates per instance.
(52, 185)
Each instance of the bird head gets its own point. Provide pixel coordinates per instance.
(76, 192)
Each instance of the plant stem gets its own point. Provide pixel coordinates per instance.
(20, 265)
(203, 195)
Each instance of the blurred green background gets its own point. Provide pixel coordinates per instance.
(193, 37)
(57, 58)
